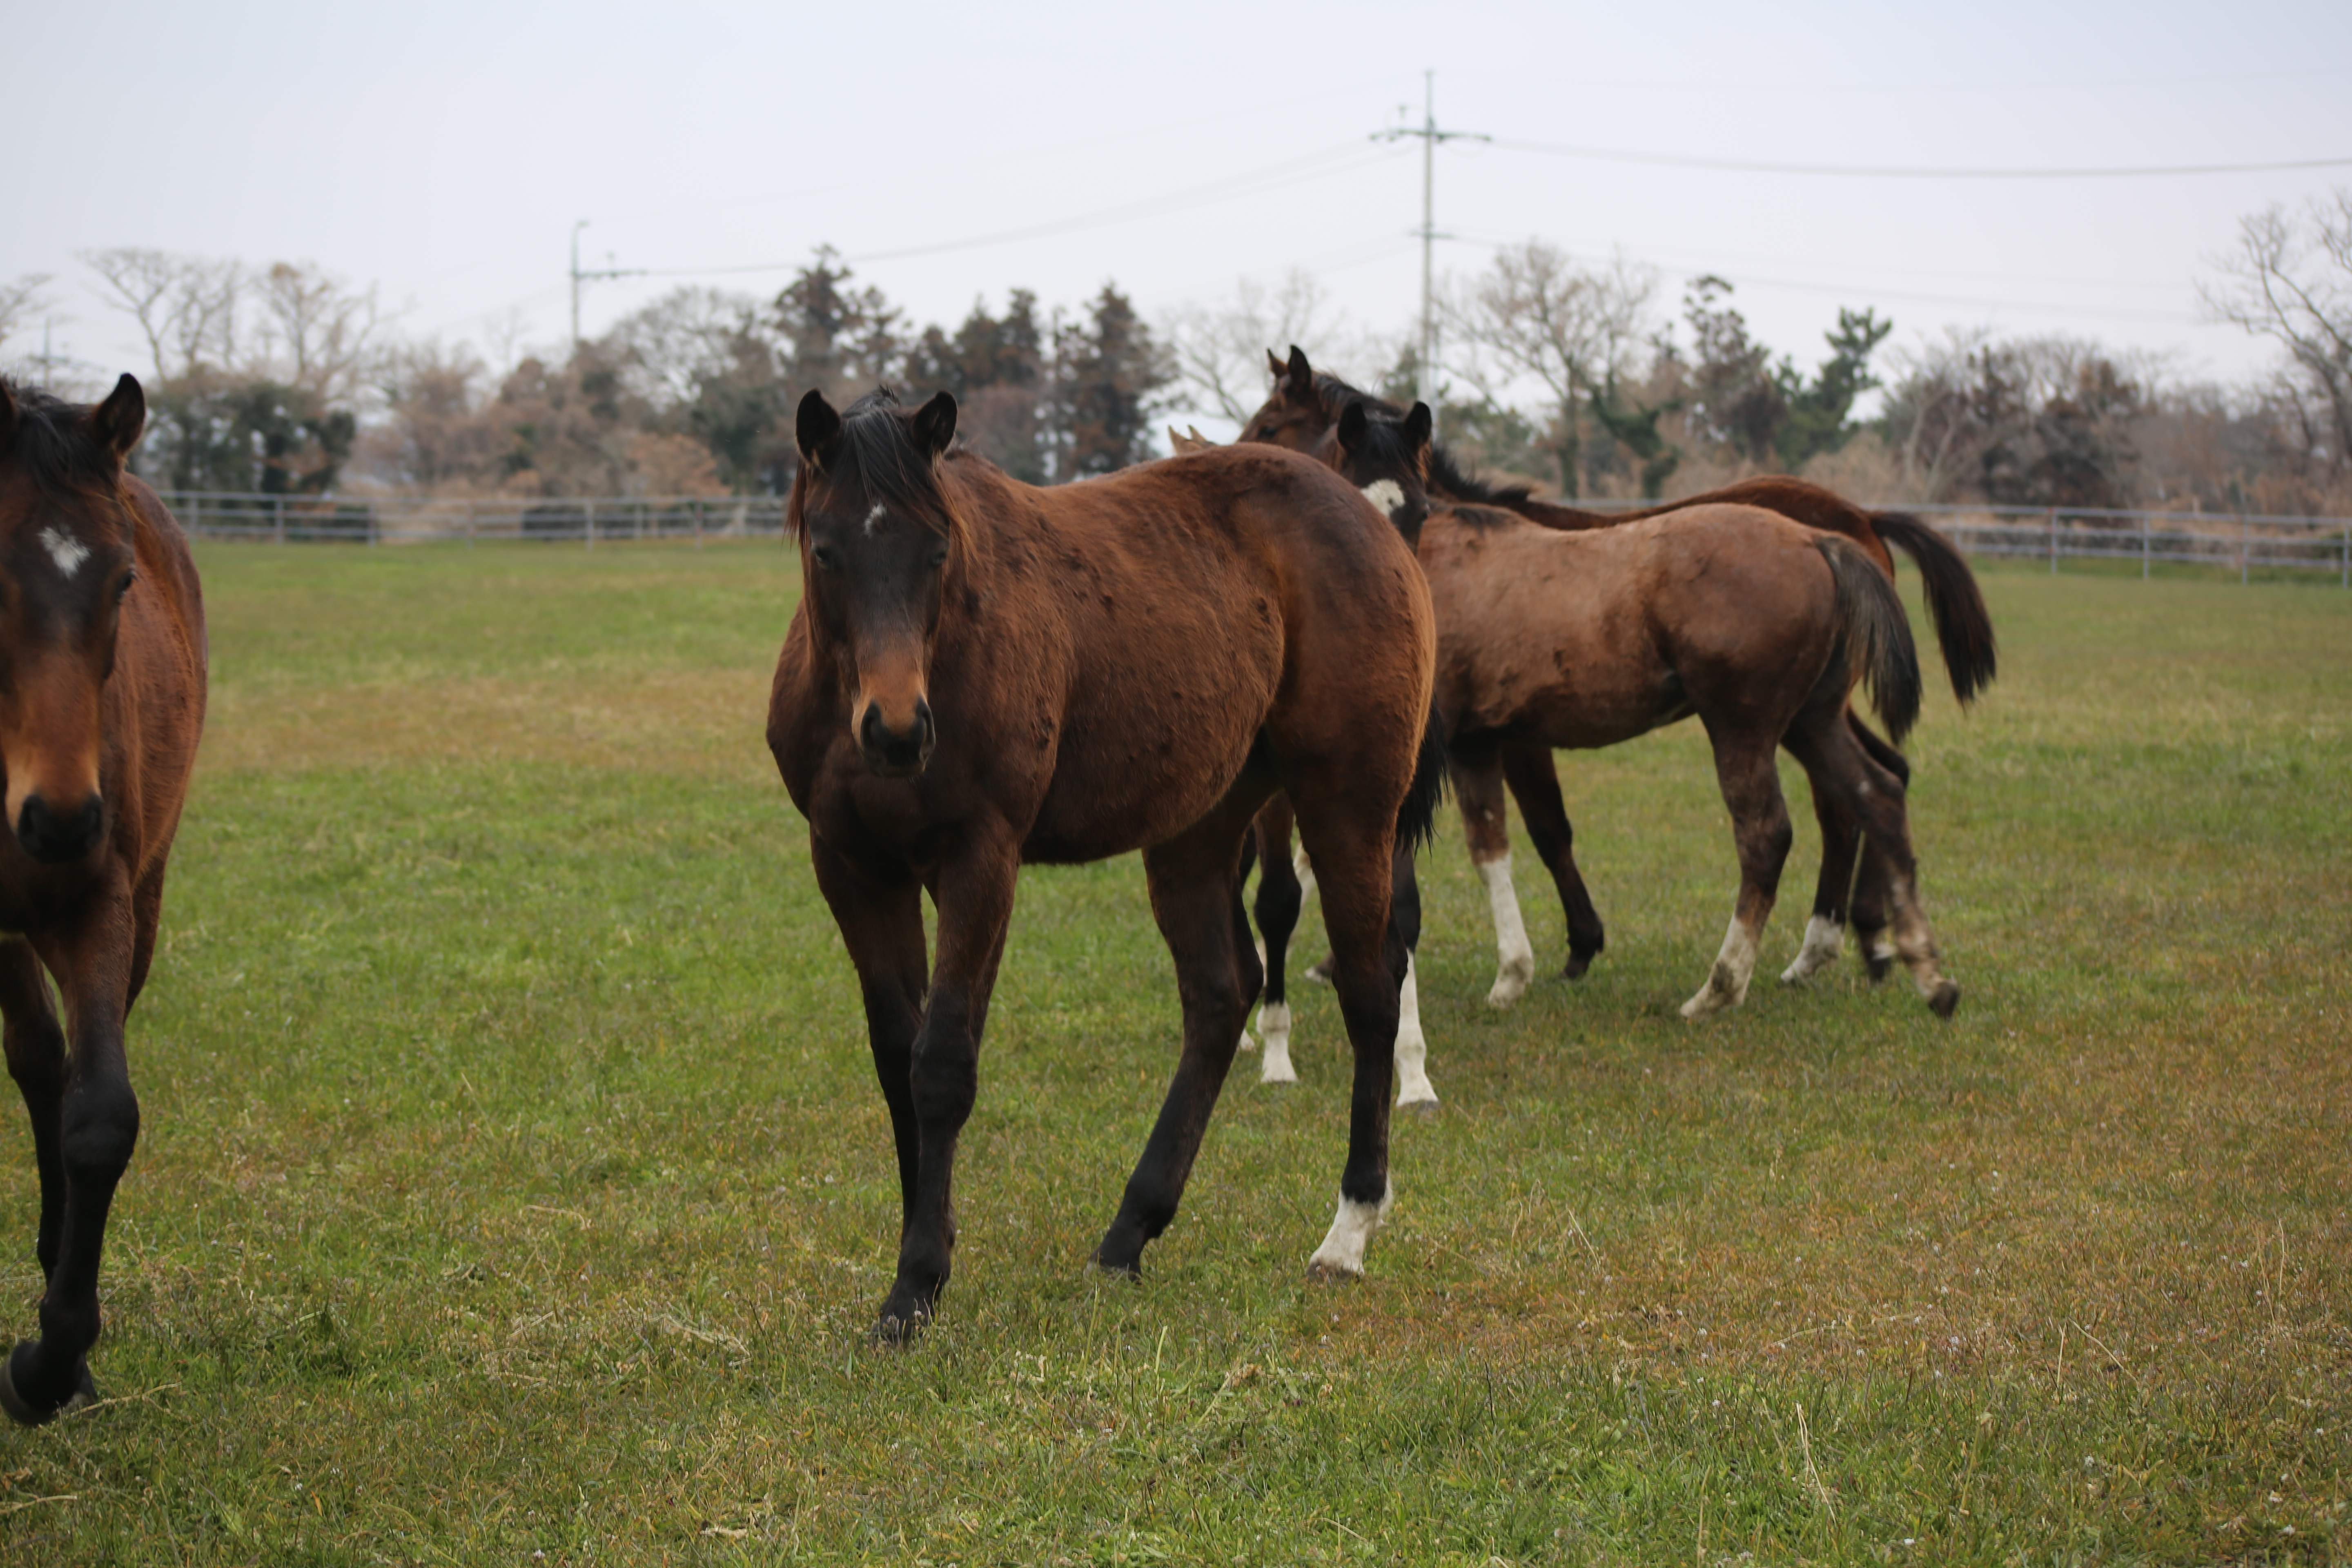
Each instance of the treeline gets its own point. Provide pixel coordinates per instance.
(1568, 376)
(285, 380)
(282, 380)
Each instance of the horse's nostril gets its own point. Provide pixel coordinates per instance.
(52, 838)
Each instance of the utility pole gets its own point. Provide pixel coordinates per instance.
(1425, 369)
(579, 277)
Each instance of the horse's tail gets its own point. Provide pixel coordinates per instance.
(1417, 817)
(1875, 632)
(1963, 626)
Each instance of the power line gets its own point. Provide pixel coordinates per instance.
(1858, 170)
(1274, 176)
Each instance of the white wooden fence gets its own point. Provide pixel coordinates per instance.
(2245, 544)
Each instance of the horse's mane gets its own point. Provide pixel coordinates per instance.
(880, 452)
(1447, 475)
(54, 448)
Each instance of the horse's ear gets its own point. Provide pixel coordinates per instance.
(1419, 425)
(818, 428)
(1301, 374)
(1352, 421)
(116, 423)
(935, 424)
(1273, 365)
(7, 417)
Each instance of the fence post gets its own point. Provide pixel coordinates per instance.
(2053, 520)
(278, 533)
(588, 524)
(2245, 544)
(2144, 523)
(697, 523)
(372, 526)
(470, 524)
(2344, 575)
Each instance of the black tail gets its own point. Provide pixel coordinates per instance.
(1417, 817)
(1876, 632)
(1963, 626)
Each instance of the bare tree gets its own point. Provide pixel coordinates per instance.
(185, 306)
(317, 332)
(1219, 352)
(20, 300)
(2290, 280)
(1534, 315)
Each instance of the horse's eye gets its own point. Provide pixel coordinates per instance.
(824, 557)
(939, 555)
(123, 589)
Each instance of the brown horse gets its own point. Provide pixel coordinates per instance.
(1583, 639)
(1282, 888)
(982, 673)
(1302, 413)
(102, 701)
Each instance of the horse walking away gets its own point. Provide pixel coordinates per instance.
(982, 673)
(1756, 624)
(1302, 412)
(102, 702)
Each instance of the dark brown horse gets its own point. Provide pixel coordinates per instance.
(102, 701)
(982, 673)
(1302, 413)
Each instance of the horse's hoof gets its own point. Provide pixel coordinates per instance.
(896, 1331)
(1577, 963)
(1877, 960)
(1425, 1108)
(1320, 1272)
(1278, 1073)
(1946, 1000)
(1322, 973)
(23, 1412)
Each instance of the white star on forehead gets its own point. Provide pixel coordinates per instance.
(1386, 494)
(872, 518)
(68, 552)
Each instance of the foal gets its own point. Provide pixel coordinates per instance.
(102, 701)
(982, 673)
(1301, 413)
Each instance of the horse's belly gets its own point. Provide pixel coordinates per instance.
(1142, 768)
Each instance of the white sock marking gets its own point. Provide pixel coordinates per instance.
(1825, 940)
(1274, 1029)
(1386, 495)
(68, 552)
(1342, 1251)
(1727, 983)
(1515, 957)
(1304, 870)
(1412, 1046)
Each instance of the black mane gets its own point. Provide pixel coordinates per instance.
(1447, 476)
(879, 449)
(53, 446)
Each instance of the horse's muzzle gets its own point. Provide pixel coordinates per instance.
(56, 838)
(894, 754)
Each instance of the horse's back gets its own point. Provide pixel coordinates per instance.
(1198, 602)
(1598, 631)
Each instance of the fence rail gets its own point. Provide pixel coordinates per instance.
(417, 520)
(2245, 543)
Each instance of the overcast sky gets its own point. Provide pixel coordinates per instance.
(444, 151)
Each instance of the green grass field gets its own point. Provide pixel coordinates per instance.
(513, 1184)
